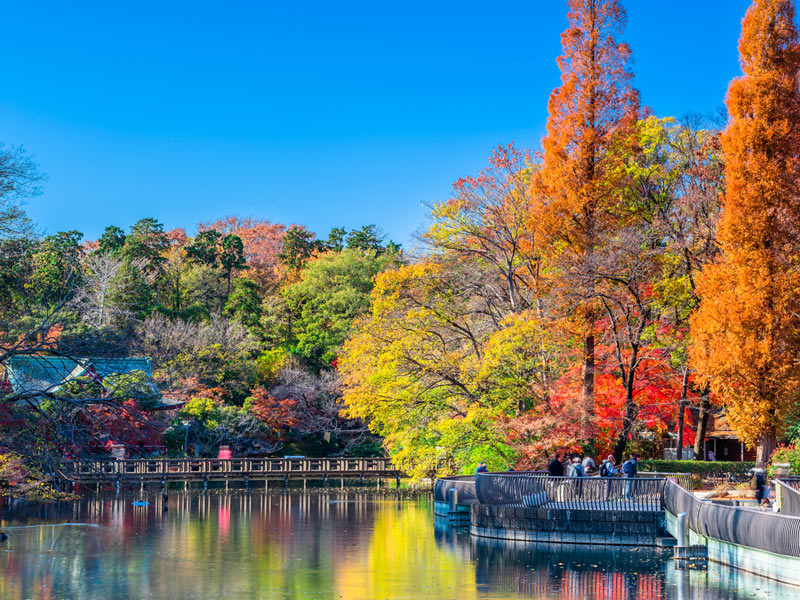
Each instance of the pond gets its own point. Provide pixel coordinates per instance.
(351, 544)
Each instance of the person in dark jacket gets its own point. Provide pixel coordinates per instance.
(555, 467)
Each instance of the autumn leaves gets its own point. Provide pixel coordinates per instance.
(553, 304)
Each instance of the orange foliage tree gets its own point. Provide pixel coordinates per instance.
(262, 243)
(747, 329)
(592, 108)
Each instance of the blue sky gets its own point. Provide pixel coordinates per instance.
(320, 113)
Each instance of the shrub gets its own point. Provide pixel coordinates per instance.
(786, 454)
(703, 468)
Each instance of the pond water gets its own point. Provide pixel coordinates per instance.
(350, 544)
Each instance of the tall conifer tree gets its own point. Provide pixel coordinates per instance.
(747, 329)
(593, 108)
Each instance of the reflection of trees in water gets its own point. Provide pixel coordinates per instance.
(568, 571)
(194, 546)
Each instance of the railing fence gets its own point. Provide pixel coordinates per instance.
(768, 531)
(581, 493)
(169, 468)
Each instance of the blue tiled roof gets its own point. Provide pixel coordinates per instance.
(48, 373)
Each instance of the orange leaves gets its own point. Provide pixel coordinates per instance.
(747, 329)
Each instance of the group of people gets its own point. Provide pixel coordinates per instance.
(577, 467)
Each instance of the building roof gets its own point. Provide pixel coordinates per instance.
(48, 374)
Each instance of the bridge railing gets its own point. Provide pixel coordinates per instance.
(685, 480)
(463, 484)
(252, 467)
(789, 496)
(581, 493)
(773, 532)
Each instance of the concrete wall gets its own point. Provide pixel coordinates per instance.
(752, 560)
(559, 525)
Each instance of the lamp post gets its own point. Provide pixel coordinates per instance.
(186, 424)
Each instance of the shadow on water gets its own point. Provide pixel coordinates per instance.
(355, 544)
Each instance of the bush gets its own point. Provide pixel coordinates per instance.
(786, 454)
(703, 468)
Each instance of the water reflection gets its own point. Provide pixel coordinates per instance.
(351, 544)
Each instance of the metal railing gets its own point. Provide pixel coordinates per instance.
(464, 484)
(768, 531)
(790, 496)
(685, 480)
(199, 468)
(581, 493)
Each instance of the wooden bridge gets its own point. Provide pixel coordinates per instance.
(204, 470)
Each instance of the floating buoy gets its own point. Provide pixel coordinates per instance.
(3, 536)
(140, 503)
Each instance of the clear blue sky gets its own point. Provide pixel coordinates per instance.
(320, 113)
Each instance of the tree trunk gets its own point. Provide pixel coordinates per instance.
(766, 445)
(682, 413)
(702, 424)
(628, 422)
(587, 388)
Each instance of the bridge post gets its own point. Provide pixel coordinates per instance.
(164, 504)
(246, 482)
(325, 480)
(286, 482)
(342, 482)
(361, 478)
(205, 483)
(266, 485)
(186, 485)
(226, 484)
(304, 484)
(397, 481)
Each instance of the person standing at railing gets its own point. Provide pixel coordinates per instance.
(589, 465)
(481, 468)
(607, 471)
(629, 469)
(576, 472)
(555, 467)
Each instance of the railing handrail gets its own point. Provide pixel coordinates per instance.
(765, 530)
(790, 498)
(582, 493)
(246, 466)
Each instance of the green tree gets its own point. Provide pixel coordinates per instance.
(204, 247)
(332, 291)
(112, 241)
(336, 239)
(298, 245)
(147, 240)
(366, 238)
(57, 267)
(244, 303)
(231, 257)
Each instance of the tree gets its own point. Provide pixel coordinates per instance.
(231, 257)
(366, 238)
(203, 248)
(56, 267)
(336, 239)
(746, 331)
(244, 303)
(592, 109)
(112, 241)
(147, 241)
(297, 246)
(332, 290)
(262, 244)
(19, 179)
(103, 292)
